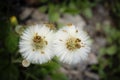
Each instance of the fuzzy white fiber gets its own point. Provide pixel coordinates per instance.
(71, 56)
(27, 49)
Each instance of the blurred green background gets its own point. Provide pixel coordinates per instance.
(108, 66)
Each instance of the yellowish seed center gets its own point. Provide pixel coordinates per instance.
(69, 25)
(39, 42)
(73, 43)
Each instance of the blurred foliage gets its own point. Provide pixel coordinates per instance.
(58, 7)
(114, 7)
(109, 57)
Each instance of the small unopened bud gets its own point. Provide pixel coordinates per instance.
(13, 20)
(25, 63)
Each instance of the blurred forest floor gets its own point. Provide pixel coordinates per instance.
(95, 22)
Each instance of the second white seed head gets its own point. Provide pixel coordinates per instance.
(71, 45)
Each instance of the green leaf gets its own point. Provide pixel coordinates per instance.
(109, 40)
(72, 11)
(13, 72)
(111, 50)
(11, 42)
(51, 66)
(43, 8)
(59, 76)
(9, 73)
(88, 12)
(44, 71)
(102, 52)
(54, 16)
(53, 13)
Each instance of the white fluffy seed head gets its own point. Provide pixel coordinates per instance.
(71, 45)
(35, 44)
